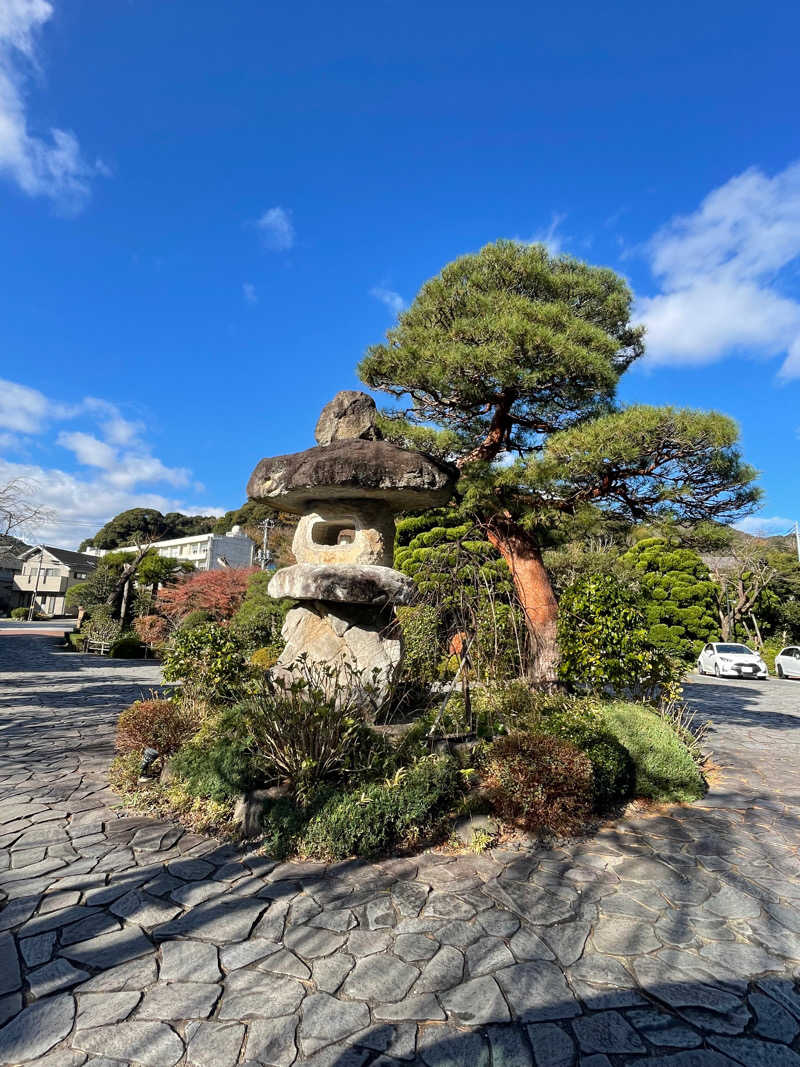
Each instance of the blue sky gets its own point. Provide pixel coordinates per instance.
(208, 211)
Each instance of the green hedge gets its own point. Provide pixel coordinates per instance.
(665, 770)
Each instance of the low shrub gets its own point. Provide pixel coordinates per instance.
(376, 818)
(151, 630)
(311, 727)
(123, 774)
(155, 723)
(76, 640)
(518, 707)
(218, 762)
(259, 620)
(196, 618)
(419, 625)
(539, 782)
(282, 828)
(209, 658)
(665, 769)
(769, 650)
(514, 705)
(612, 766)
(265, 658)
(101, 626)
(19, 613)
(127, 646)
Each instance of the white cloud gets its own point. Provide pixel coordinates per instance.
(50, 166)
(393, 301)
(80, 506)
(10, 442)
(116, 429)
(277, 229)
(123, 470)
(249, 291)
(550, 238)
(766, 526)
(88, 450)
(22, 409)
(141, 469)
(722, 271)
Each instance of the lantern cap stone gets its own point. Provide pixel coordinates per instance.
(353, 469)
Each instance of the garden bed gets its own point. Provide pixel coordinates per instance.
(334, 786)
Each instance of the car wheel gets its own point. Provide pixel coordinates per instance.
(779, 670)
(700, 668)
(716, 670)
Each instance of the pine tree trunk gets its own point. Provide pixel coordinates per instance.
(535, 593)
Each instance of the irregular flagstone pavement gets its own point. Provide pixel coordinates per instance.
(671, 939)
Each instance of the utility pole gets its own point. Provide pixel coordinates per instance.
(265, 527)
(797, 539)
(32, 608)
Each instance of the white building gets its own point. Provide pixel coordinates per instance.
(208, 552)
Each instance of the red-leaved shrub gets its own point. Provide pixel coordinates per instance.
(151, 629)
(539, 782)
(220, 593)
(159, 724)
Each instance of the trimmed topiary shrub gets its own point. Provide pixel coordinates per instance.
(539, 782)
(76, 641)
(195, 619)
(19, 613)
(127, 646)
(679, 603)
(375, 818)
(160, 724)
(665, 768)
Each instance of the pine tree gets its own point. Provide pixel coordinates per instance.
(509, 360)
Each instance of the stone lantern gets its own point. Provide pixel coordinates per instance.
(347, 491)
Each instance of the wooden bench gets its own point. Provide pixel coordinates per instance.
(99, 648)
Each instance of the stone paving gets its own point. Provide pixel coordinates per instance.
(671, 938)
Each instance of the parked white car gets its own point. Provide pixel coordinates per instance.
(787, 662)
(729, 660)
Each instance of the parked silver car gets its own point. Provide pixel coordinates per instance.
(787, 662)
(730, 660)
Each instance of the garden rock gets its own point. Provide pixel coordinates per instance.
(351, 414)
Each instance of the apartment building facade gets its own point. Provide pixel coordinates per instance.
(47, 573)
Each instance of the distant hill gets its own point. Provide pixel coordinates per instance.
(139, 524)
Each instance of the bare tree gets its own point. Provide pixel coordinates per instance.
(20, 507)
(740, 577)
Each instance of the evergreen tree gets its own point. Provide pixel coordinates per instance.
(679, 596)
(508, 361)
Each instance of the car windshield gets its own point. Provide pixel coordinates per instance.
(738, 649)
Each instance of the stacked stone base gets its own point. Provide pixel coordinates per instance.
(345, 618)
